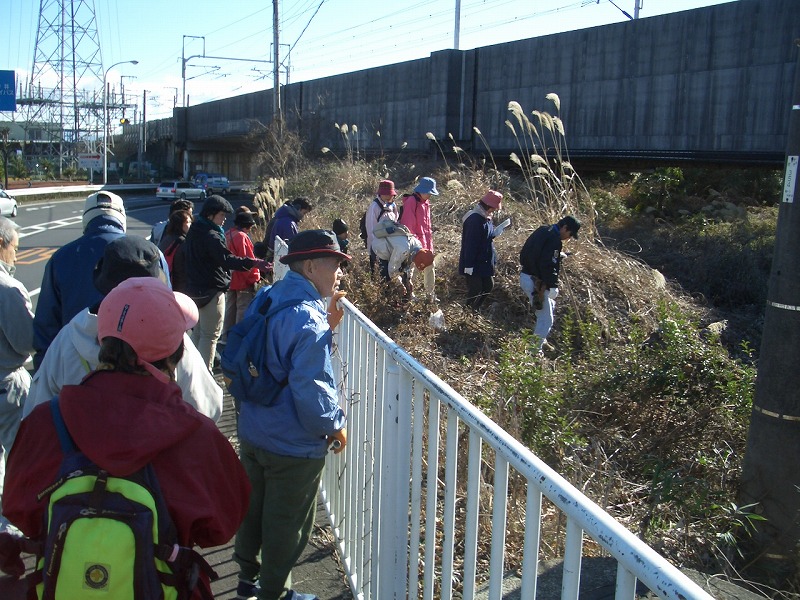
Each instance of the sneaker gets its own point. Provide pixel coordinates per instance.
(246, 590)
(293, 595)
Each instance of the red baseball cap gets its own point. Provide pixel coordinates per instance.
(149, 316)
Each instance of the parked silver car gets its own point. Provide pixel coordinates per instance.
(185, 190)
(8, 204)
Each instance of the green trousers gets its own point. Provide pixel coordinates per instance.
(279, 519)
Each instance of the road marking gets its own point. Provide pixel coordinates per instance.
(34, 229)
(44, 206)
(31, 256)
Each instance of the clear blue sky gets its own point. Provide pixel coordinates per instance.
(326, 37)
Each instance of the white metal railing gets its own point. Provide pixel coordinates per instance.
(399, 493)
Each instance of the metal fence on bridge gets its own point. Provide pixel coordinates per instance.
(422, 490)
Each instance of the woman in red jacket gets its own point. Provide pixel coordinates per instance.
(129, 413)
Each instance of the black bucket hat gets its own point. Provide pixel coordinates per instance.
(314, 243)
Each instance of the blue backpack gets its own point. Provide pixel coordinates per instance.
(244, 359)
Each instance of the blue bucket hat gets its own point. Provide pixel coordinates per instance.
(427, 185)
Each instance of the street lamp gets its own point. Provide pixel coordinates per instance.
(105, 117)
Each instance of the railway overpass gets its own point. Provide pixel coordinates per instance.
(711, 85)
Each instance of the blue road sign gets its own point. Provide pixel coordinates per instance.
(8, 91)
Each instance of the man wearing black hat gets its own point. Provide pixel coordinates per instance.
(541, 262)
(74, 351)
(283, 446)
(208, 267)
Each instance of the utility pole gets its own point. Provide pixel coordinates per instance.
(142, 134)
(457, 35)
(4, 131)
(771, 469)
(276, 73)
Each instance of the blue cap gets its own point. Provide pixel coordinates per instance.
(427, 185)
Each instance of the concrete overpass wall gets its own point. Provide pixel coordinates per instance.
(711, 83)
(713, 80)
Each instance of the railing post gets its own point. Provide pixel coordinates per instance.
(392, 543)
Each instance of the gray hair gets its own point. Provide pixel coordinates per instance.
(7, 229)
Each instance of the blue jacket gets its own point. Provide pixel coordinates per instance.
(307, 409)
(68, 284)
(284, 224)
(477, 245)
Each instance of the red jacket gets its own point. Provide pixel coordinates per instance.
(121, 422)
(417, 217)
(240, 244)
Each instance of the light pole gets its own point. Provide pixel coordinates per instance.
(105, 116)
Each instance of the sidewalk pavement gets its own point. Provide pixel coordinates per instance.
(317, 572)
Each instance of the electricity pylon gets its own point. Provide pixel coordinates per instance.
(63, 102)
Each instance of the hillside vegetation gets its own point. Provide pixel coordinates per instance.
(644, 402)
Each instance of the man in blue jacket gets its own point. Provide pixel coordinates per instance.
(541, 262)
(283, 445)
(67, 285)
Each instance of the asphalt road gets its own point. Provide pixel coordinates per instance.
(46, 226)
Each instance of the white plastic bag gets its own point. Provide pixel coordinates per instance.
(436, 320)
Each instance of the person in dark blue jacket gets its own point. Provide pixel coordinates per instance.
(541, 262)
(477, 258)
(67, 285)
(285, 223)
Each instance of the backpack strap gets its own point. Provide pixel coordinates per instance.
(186, 564)
(65, 439)
(172, 247)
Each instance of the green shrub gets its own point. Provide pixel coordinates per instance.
(657, 188)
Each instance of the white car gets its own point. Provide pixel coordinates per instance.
(8, 205)
(185, 190)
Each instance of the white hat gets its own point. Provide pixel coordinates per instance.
(104, 203)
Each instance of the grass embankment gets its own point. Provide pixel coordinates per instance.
(645, 401)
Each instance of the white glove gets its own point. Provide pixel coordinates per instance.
(468, 271)
(502, 227)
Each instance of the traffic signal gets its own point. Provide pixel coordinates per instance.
(124, 121)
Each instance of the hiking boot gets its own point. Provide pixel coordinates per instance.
(246, 590)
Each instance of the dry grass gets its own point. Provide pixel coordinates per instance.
(614, 292)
